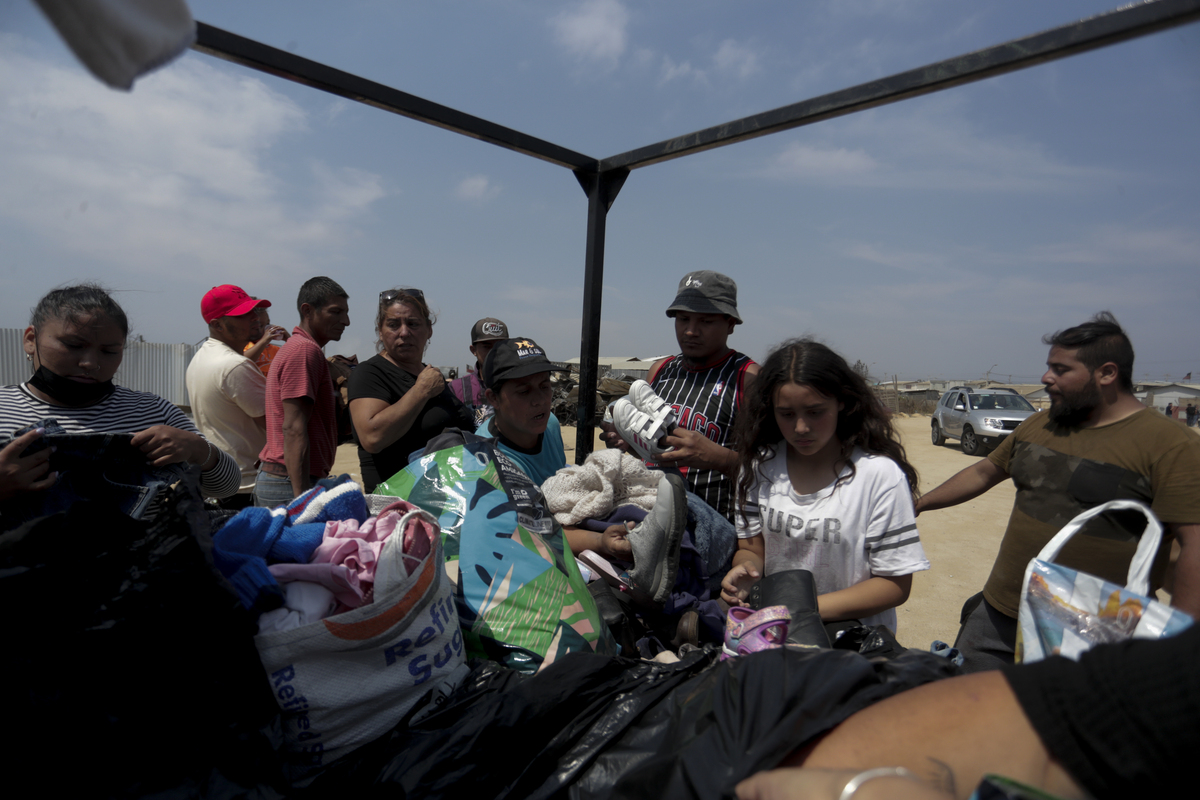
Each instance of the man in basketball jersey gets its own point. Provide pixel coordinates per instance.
(704, 384)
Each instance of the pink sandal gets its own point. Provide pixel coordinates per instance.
(749, 631)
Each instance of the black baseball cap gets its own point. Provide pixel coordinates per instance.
(516, 358)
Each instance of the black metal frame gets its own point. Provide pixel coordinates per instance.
(602, 179)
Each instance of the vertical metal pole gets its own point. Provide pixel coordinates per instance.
(601, 189)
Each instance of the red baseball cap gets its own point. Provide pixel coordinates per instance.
(228, 301)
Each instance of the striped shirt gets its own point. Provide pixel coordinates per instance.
(123, 411)
(706, 400)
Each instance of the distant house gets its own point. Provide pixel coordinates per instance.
(1158, 395)
(1155, 394)
(632, 366)
(933, 389)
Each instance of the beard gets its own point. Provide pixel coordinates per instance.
(1073, 408)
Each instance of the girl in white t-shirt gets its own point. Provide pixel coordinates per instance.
(823, 485)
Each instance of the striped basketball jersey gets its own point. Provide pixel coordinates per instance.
(706, 400)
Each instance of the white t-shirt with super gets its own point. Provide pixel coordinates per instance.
(861, 528)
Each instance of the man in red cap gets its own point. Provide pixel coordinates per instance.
(226, 390)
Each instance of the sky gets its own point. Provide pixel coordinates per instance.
(939, 237)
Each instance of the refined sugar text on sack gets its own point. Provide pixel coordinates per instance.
(442, 613)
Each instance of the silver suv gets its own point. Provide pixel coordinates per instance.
(979, 418)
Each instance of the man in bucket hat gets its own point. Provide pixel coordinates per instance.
(703, 385)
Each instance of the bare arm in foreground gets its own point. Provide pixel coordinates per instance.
(950, 733)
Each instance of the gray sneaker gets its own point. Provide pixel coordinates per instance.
(656, 540)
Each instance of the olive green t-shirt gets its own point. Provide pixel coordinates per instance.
(1061, 472)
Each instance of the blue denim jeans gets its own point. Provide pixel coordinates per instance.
(715, 538)
(272, 490)
(92, 466)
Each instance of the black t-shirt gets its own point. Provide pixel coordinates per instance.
(381, 379)
(1122, 721)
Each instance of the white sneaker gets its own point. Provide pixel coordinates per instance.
(645, 399)
(656, 540)
(639, 429)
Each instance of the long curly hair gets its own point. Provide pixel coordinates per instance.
(862, 422)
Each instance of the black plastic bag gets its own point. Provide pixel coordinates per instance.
(743, 716)
(130, 662)
(505, 734)
(591, 726)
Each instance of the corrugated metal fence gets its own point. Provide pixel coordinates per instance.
(147, 367)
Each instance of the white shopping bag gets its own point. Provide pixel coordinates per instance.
(1065, 612)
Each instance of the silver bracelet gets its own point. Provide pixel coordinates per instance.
(858, 780)
(207, 455)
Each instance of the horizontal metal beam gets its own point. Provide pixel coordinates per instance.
(1088, 34)
(282, 64)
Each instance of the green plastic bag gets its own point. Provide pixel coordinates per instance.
(521, 600)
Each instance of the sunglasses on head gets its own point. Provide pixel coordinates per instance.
(391, 294)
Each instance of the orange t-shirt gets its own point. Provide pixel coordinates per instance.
(265, 357)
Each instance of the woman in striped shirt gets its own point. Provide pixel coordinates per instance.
(75, 340)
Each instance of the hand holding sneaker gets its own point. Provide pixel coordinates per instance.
(609, 435)
(614, 542)
(694, 449)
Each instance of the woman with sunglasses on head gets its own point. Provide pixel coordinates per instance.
(398, 402)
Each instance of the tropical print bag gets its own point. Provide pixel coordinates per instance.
(520, 597)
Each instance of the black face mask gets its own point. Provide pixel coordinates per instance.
(65, 390)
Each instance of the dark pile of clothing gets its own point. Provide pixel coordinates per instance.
(136, 661)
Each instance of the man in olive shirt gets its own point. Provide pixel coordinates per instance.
(1096, 443)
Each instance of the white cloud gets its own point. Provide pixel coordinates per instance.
(336, 108)
(736, 60)
(593, 30)
(671, 71)
(932, 263)
(731, 60)
(804, 161)
(476, 188)
(180, 171)
(345, 192)
(1118, 244)
(932, 145)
